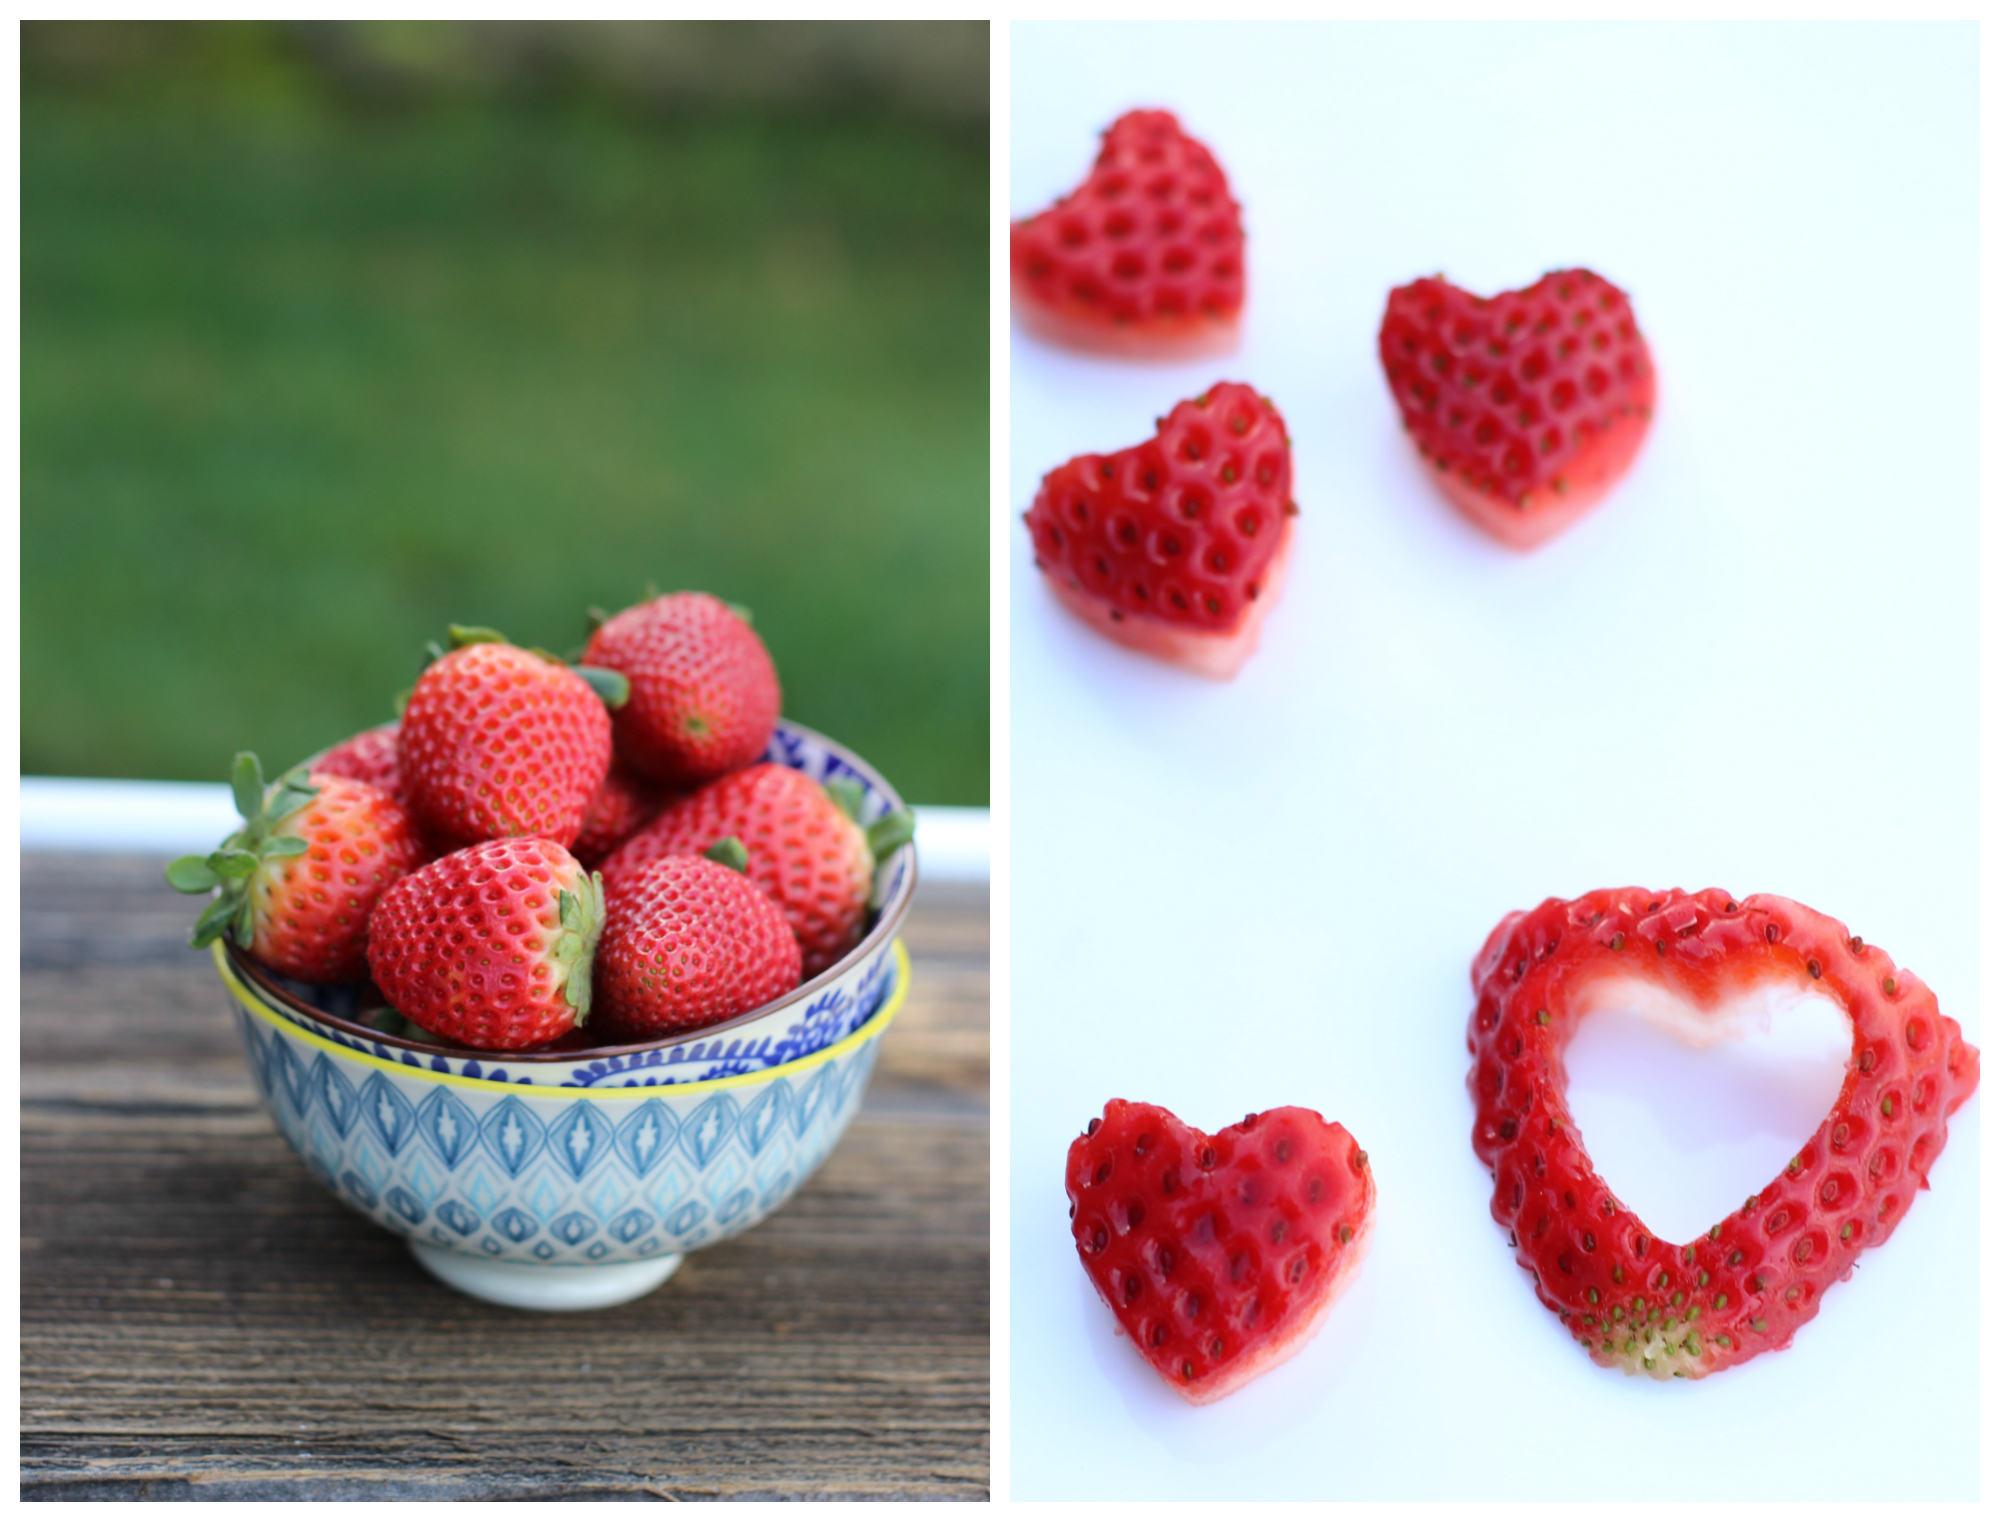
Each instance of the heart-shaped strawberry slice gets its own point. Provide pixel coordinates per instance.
(1529, 404)
(1178, 546)
(1145, 258)
(1219, 1255)
(1632, 1300)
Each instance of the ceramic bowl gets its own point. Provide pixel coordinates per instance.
(569, 1180)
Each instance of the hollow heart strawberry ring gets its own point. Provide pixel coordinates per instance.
(1755, 1277)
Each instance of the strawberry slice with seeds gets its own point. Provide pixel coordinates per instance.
(1219, 1255)
(1176, 547)
(1145, 258)
(1530, 404)
(1670, 1310)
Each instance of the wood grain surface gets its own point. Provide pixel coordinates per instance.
(200, 1319)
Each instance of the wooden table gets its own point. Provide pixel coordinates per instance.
(201, 1320)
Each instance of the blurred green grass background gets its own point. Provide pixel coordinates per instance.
(308, 372)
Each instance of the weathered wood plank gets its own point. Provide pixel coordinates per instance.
(200, 1320)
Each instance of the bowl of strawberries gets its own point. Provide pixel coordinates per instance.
(576, 968)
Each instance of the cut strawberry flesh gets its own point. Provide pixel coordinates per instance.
(1177, 547)
(1528, 406)
(1219, 1255)
(1747, 1285)
(1145, 258)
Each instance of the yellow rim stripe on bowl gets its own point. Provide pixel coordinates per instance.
(254, 1003)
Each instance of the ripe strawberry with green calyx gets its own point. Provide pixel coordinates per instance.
(1745, 1287)
(805, 846)
(1530, 405)
(498, 741)
(1176, 547)
(1145, 258)
(1219, 1255)
(704, 694)
(491, 947)
(690, 942)
(296, 885)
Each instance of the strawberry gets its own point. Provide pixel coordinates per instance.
(1219, 1255)
(622, 804)
(704, 692)
(499, 741)
(1530, 404)
(804, 847)
(490, 947)
(300, 879)
(1145, 258)
(1747, 1285)
(690, 942)
(1176, 547)
(369, 757)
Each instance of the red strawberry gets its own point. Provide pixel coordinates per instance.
(1145, 258)
(1530, 404)
(299, 880)
(1178, 546)
(368, 757)
(1633, 1301)
(689, 943)
(804, 847)
(499, 741)
(619, 808)
(491, 946)
(704, 692)
(1219, 1255)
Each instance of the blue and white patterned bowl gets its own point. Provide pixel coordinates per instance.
(569, 1180)
(548, 1197)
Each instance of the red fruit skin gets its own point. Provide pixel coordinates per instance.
(1757, 1276)
(1144, 260)
(369, 757)
(1529, 405)
(463, 946)
(809, 857)
(311, 912)
(1219, 1255)
(1176, 547)
(705, 695)
(689, 943)
(497, 741)
(623, 805)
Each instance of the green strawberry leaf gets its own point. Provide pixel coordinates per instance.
(570, 911)
(214, 920)
(891, 831)
(614, 687)
(739, 610)
(244, 928)
(246, 783)
(471, 634)
(846, 794)
(228, 863)
(729, 852)
(191, 874)
(286, 845)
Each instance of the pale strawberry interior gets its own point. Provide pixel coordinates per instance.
(1219, 655)
(1688, 1107)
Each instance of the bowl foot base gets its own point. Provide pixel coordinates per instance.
(532, 1287)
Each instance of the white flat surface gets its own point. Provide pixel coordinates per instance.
(1755, 667)
(101, 814)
